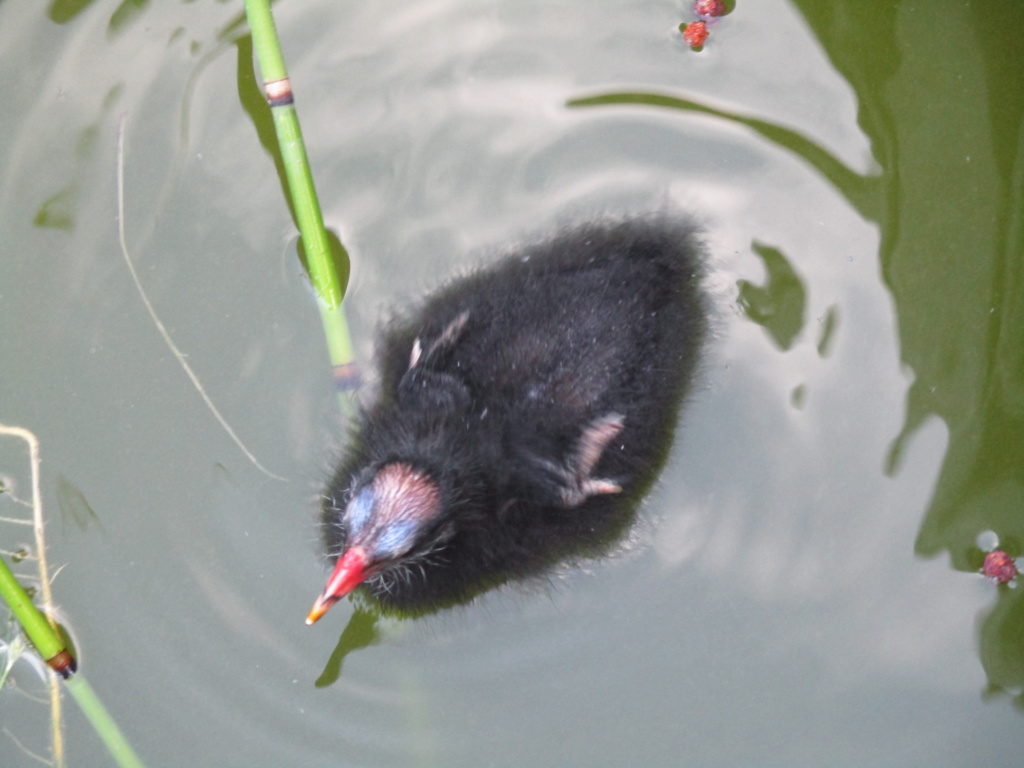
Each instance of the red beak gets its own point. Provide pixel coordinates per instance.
(348, 574)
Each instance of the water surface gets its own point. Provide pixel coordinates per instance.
(801, 588)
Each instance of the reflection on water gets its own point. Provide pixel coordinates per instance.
(360, 632)
(779, 304)
(958, 279)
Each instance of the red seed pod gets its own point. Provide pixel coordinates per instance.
(695, 33)
(999, 567)
(709, 8)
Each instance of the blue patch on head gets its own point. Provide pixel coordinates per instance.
(358, 512)
(396, 539)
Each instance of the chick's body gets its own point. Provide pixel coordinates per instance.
(523, 411)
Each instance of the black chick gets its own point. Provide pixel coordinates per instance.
(523, 412)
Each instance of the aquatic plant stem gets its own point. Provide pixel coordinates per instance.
(102, 722)
(43, 636)
(38, 529)
(43, 632)
(46, 633)
(330, 288)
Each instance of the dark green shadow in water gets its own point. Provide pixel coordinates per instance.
(360, 632)
(940, 95)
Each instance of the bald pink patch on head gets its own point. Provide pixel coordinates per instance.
(401, 491)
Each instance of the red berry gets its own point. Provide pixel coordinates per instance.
(695, 33)
(709, 7)
(999, 566)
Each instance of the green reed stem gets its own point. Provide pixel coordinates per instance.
(42, 632)
(330, 289)
(49, 645)
(47, 642)
(102, 722)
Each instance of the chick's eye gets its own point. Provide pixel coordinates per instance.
(396, 539)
